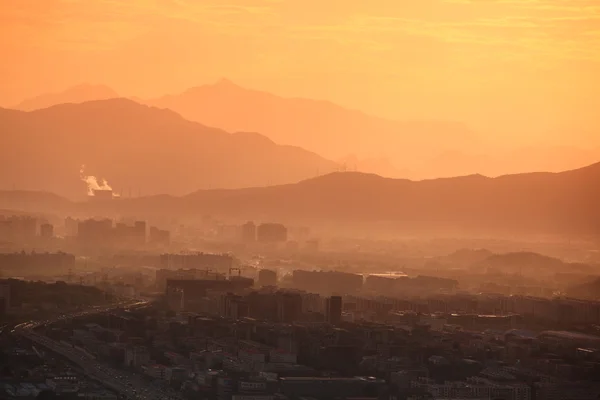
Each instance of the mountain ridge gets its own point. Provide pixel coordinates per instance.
(317, 125)
(549, 203)
(357, 140)
(157, 151)
(74, 94)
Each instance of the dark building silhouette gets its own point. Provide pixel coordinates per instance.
(262, 306)
(175, 298)
(48, 261)
(333, 309)
(71, 226)
(134, 235)
(233, 306)
(46, 231)
(93, 231)
(215, 262)
(289, 307)
(249, 232)
(327, 281)
(312, 245)
(267, 277)
(159, 236)
(162, 275)
(139, 232)
(195, 290)
(271, 233)
(4, 298)
(101, 232)
(16, 228)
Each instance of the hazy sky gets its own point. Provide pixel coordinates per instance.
(511, 66)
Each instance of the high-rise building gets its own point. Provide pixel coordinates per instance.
(93, 231)
(267, 277)
(34, 260)
(159, 236)
(46, 231)
(333, 310)
(289, 307)
(139, 229)
(249, 232)
(312, 245)
(271, 233)
(17, 228)
(4, 298)
(214, 262)
(175, 299)
(71, 225)
(327, 282)
(233, 306)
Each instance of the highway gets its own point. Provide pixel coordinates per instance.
(128, 384)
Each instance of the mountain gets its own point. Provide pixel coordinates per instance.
(76, 94)
(563, 203)
(512, 161)
(17, 201)
(361, 142)
(139, 149)
(550, 203)
(521, 262)
(466, 257)
(321, 126)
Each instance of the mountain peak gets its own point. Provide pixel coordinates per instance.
(225, 81)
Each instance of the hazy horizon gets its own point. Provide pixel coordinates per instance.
(517, 72)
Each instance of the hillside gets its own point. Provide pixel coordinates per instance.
(542, 202)
(550, 203)
(321, 126)
(75, 94)
(139, 150)
(415, 149)
(21, 202)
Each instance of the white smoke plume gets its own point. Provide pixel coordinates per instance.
(92, 182)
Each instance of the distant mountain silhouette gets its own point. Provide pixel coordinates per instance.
(517, 262)
(466, 257)
(401, 149)
(24, 200)
(545, 202)
(528, 159)
(558, 203)
(139, 149)
(75, 94)
(321, 126)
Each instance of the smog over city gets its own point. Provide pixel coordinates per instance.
(292, 200)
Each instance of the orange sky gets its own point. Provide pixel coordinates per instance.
(513, 68)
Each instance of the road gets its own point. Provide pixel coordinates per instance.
(128, 384)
